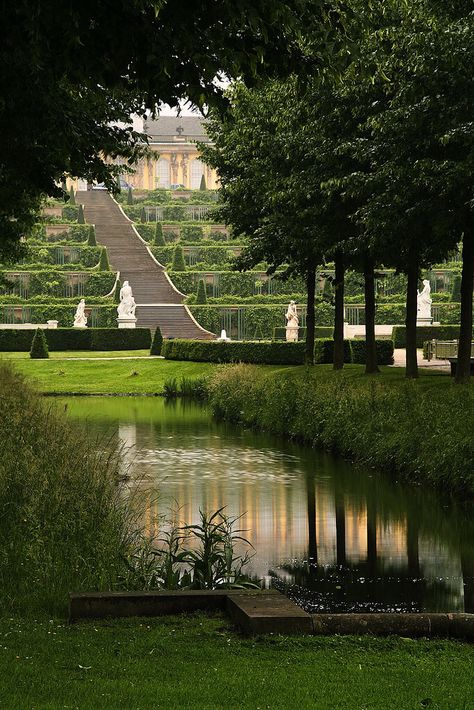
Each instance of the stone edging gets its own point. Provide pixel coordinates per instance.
(267, 612)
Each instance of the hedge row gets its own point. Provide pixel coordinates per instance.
(57, 283)
(232, 283)
(270, 353)
(183, 231)
(319, 332)
(84, 255)
(71, 233)
(206, 255)
(78, 339)
(424, 333)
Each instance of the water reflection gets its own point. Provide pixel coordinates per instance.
(336, 537)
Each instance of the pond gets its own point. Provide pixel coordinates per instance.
(334, 536)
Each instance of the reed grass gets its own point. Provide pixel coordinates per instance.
(64, 524)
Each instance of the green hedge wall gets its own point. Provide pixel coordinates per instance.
(206, 255)
(424, 333)
(324, 351)
(105, 316)
(72, 233)
(233, 283)
(60, 339)
(384, 352)
(261, 353)
(84, 255)
(71, 212)
(54, 283)
(319, 332)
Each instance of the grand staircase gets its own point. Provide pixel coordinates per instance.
(159, 303)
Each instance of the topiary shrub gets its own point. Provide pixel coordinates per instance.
(118, 286)
(91, 240)
(456, 290)
(80, 215)
(178, 263)
(157, 342)
(72, 198)
(324, 351)
(143, 215)
(159, 238)
(384, 350)
(39, 346)
(129, 196)
(104, 260)
(202, 185)
(201, 296)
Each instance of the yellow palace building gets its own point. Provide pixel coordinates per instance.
(176, 159)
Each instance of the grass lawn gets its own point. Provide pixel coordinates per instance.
(67, 354)
(200, 663)
(141, 376)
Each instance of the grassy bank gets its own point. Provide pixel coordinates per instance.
(420, 430)
(63, 523)
(100, 376)
(199, 663)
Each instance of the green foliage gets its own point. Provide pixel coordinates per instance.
(64, 339)
(279, 333)
(191, 232)
(104, 260)
(324, 351)
(56, 283)
(118, 286)
(384, 350)
(80, 215)
(71, 213)
(91, 240)
(39, 346)
(72, 198)
(201, 297)
(178, 263)
(67, 522)
(456, 290)
(202, 185)
(129, 196)
(142, 215)
(379, 422)
(159, 239)
(157, 342)
(255, 352)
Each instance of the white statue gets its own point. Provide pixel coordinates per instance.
(223, 336)
(292, 322)
(80, 319)
(424, 302)
(127, 305)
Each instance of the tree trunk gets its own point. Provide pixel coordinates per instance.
(411, 370)
(310, 315)
(369, 292)
(339, 311)
(463, 367)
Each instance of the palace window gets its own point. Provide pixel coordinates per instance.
(163, 173)
(197, 171)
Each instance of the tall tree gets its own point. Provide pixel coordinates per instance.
(71, 71)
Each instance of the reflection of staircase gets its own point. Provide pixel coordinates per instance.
(158, 301)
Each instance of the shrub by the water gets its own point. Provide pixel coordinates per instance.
(80, 215)
(91, 240)
(65, 525)
(178, 263)
(157, 342)
(201, 297)
(159, 239)
(39, 346)
(410, 429)
(104, 260)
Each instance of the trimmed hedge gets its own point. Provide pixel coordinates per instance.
(424, 333)
(324, 351)
(384, 352)
(78, 339)
(259, 353)
(319, 332)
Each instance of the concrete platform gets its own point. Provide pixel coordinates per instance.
(268, 613)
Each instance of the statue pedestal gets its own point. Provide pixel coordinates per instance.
(52, 323)
(291, 334)
(424, 321)
(127, 322)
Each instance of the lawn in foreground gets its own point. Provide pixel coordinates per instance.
(199, 662)
(74, 354)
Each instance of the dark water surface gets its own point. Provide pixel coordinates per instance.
(336, 537)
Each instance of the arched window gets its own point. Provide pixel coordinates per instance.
(197, 171)
(162, 173)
